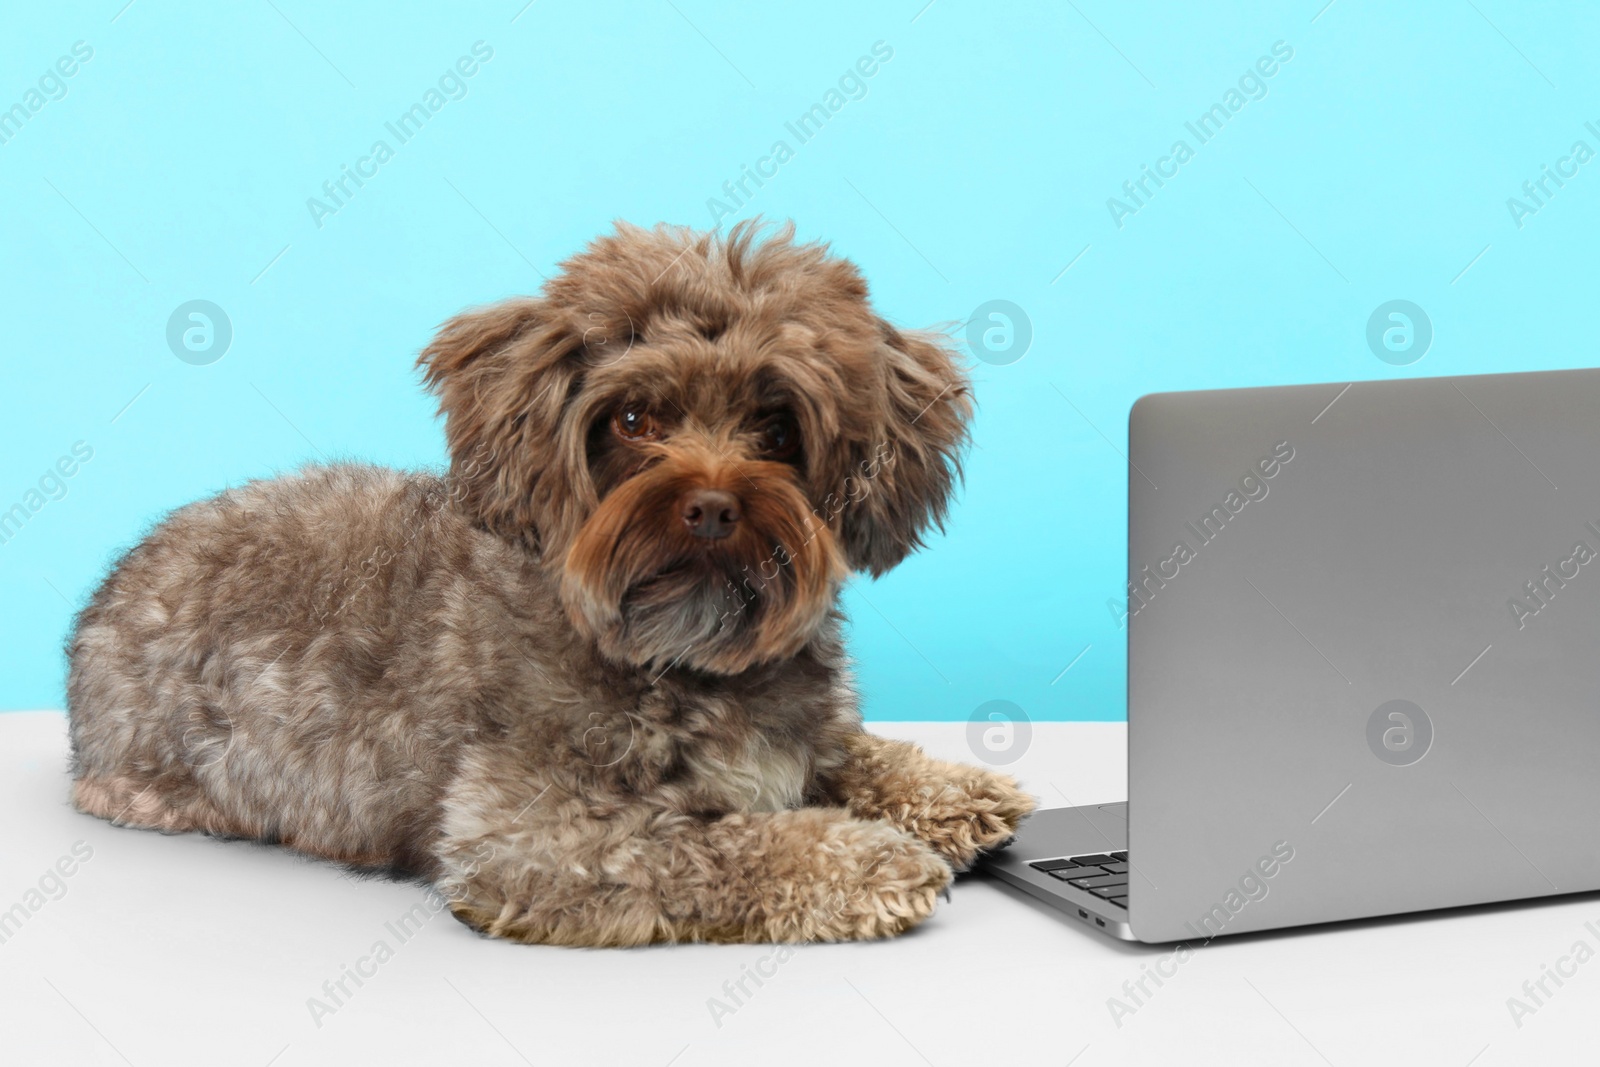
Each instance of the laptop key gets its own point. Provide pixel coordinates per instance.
(1116, 868)
(1106, 892)
(1121, 856)
(1121, 902)
(1096, 883)
(1092, 861)
(1052, 865)
(1068, 874)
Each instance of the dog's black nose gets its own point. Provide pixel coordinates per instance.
(709, 513)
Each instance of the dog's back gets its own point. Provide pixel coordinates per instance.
(254, 667)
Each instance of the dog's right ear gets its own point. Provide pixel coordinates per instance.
(504, 374)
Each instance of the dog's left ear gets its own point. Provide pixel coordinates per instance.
(504, 375)
(904, 474)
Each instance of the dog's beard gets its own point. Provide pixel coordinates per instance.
(650, 593)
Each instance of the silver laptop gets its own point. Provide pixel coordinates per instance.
(1363, 660)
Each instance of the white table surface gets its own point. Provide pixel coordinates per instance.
(184, 950)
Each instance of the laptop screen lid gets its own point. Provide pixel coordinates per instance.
(1363, 649)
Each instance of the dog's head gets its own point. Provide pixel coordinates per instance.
(703, 435)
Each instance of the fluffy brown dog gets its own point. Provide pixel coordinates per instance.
(592, 684)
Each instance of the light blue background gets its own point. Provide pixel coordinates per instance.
(977, 166)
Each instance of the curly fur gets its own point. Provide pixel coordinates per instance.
(530, 682)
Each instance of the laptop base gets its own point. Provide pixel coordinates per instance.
(1057, 832)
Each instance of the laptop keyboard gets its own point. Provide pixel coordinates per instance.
(1105, 874)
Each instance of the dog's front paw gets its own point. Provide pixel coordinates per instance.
(861, 880)
(969, 812)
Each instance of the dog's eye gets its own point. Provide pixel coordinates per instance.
(634, 423)
(780, 437)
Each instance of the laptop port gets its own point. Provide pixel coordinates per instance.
(1082, 914)
(1099, 921)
